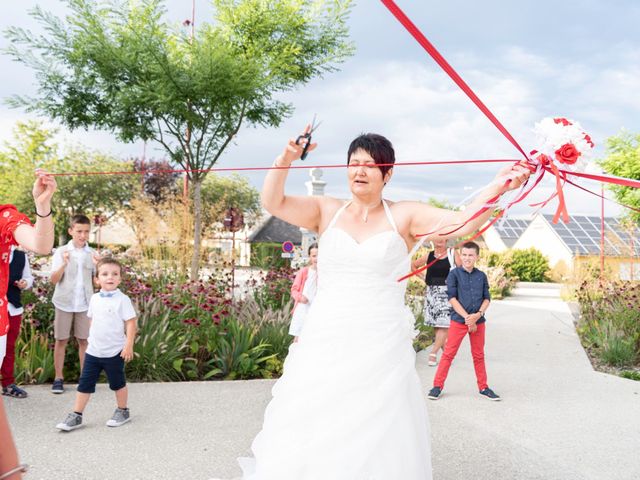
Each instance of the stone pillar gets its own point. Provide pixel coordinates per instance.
(314, 187)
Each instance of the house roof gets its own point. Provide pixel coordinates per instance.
(276, 230)
(510, 229)
(582, 235)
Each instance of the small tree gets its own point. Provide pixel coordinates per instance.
(220, 193)
(623, 159)
(119, 66)
(159, 182)
(34, 147)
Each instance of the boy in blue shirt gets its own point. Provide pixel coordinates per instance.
(468, 292)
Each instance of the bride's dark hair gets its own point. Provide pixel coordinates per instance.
(377, 146)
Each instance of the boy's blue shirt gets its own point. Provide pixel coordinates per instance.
(470, 289)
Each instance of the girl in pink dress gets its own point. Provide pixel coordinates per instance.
(303, 292)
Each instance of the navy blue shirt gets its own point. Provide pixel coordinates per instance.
(470, 289)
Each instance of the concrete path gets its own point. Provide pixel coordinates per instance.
(559, 420)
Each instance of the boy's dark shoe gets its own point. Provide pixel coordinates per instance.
(14, 391)
(434, 393)
(490, 394)
(58, 386)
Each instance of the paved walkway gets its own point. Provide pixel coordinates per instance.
(559, 420)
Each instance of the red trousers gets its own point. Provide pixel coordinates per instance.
(457, 332)
(10, 357)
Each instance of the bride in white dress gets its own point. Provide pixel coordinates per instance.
(349, 405)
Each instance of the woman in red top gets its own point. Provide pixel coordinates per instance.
(16, 229)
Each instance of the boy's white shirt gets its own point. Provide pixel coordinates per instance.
(80, 302)
(108, 316)
(26, 275)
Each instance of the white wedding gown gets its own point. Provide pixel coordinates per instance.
(349, 405)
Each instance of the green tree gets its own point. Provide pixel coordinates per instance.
(34, 147)
(220, 193)
(623, 160)
(436, 202)
(120, 66)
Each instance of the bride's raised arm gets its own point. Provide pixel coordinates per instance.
(302, 211)
(426, 218)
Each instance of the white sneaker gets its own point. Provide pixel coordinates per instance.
(433, 360)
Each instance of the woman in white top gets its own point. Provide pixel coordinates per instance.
(349, 405)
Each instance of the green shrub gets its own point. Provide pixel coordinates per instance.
(240, 354)
(618, 351)
(631, 375)
(274, 291)
(525, 265)
(34, 357)
(268, 255)
(158, 346)
(528, 265)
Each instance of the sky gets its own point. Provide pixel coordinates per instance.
(526, 60)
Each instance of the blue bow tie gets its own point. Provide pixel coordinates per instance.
(107, 294)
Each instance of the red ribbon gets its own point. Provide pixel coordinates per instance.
(448, 69)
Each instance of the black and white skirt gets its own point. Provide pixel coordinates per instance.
(437, 309)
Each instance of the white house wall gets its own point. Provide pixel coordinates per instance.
(493, 240)
(541, 236)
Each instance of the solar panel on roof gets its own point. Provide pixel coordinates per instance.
(583, 234)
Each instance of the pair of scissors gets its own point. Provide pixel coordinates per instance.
(308, 137)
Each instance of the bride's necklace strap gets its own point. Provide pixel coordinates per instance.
(365, 217)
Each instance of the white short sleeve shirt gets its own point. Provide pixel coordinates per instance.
(108, 312)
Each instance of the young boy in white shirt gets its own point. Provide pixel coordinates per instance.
(72, 270)
(111, 338)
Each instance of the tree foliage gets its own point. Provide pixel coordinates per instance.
(35, 147)
(119, 66)
(623, 160)
(235, 191)
(160, 181)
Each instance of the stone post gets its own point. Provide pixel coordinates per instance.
(314, 187)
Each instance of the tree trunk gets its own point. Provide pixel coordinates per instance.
(197, 227)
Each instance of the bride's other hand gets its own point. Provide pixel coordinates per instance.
(293, 151)
(513, 176)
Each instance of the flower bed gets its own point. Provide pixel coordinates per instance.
(188, 330)
(609, 325)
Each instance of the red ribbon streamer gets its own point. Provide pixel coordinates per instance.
(448, 69)
(291, 167)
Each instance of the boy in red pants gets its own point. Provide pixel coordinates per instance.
(468, 291)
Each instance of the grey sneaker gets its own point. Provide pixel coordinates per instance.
(120, 417)
(58, 386)
(490, 394)
(72, 422)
